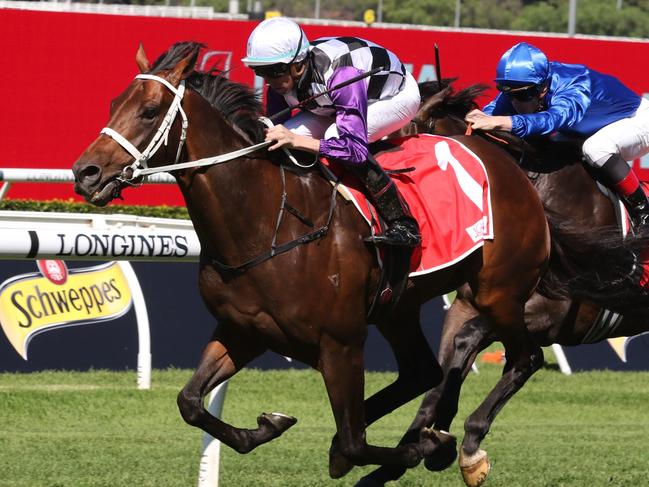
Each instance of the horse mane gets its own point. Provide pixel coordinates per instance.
(236, 102)
(446, 102)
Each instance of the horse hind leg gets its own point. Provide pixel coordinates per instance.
(437, 404)
(461, 342)
(223, 357)
(460, 345)
(418, 368)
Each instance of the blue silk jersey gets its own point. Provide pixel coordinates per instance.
(579, 102)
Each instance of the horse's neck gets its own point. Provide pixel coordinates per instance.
(235, 205)
(225, 202)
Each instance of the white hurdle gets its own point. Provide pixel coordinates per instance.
(8, 176)
(33, 236)
(88, 237)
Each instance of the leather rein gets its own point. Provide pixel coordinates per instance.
(139, 169)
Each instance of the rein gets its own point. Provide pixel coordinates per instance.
(139, 168)
(469, 131)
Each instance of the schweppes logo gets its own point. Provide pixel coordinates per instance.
(33, 303)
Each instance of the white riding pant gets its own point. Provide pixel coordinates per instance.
(628, 137)
(383, 116)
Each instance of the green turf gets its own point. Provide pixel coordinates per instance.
(95, 429)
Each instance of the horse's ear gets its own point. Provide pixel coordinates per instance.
(429, 105)
(141, 60)
(185, 67)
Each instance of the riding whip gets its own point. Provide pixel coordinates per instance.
(338, 86)
(438, 68)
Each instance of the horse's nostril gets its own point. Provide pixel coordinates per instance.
(89, 174)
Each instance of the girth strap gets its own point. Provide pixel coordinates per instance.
(285, 247)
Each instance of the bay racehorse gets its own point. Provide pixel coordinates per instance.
(567, 190)
(284, 265)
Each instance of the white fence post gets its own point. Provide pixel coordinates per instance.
(208, 470)
(143, 332)
(33, 235)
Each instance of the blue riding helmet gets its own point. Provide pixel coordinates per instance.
(522, 64)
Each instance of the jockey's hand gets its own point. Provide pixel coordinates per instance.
(283, 137)
(481, 121)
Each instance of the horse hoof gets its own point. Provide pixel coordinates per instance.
(276, 422)
(339, 466)
(444, 451)
(474, 468)
(380, 477)
(368, 482)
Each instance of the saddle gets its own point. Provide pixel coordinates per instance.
(447, 190)
(540, 155)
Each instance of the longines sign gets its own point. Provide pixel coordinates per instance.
(89, 244)
(120, 245)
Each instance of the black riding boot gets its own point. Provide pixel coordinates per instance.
(403, 229)
(638, 207)
(614, 172)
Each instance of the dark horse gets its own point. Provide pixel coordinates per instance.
(309, 301)
(573, 193)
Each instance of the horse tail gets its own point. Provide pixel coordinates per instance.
(596, 265)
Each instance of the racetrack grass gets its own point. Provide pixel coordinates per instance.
(64, 429)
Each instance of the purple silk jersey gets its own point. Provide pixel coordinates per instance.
(351, 117)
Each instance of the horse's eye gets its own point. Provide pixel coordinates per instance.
(150, 113)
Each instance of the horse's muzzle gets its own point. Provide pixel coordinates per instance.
(86, 176)
(90, 185)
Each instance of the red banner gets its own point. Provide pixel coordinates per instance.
(62, 70)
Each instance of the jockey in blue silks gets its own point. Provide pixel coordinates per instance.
(339, 124)
(538, 97)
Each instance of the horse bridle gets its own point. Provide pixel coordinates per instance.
(135, 169)
(139, 167)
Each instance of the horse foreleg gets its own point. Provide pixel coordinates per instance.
(418, 371)
(341, 366)
(477, 425)
(223, 357)
(440, 406)
(523, 358)
(463, 336)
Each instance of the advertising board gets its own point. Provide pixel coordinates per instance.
(68, 67)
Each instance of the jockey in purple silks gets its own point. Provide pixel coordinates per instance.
(539, 97)
(340, 124)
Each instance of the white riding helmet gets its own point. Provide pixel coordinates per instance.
(276, 40)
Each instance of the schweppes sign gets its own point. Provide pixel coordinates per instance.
(55, 297)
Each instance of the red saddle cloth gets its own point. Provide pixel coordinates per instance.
(448, 194)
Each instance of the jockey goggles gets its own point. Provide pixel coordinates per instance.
(271, 70)
(278, 69)
(520, 93)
